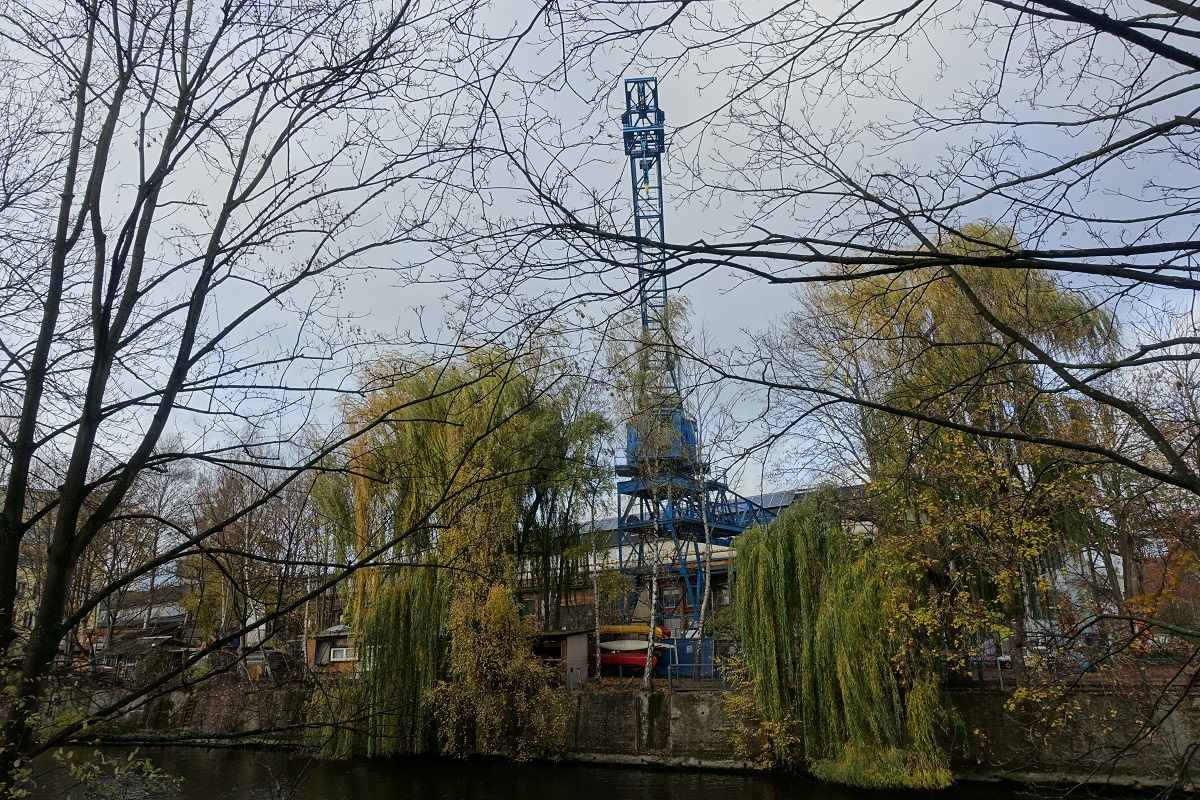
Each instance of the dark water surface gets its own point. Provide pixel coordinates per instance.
(236, 774)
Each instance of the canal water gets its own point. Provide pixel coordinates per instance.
(236, 774)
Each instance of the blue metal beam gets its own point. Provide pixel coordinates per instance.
(667, 496)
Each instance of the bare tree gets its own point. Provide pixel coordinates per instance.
(889, 143)
(928, 146)
(185, 189)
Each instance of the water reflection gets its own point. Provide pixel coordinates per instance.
(236, 774)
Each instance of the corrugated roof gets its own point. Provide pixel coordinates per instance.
(602, 524)
(774, 501)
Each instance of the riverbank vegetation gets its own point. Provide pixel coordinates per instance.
(956, 550)
(212, 457)
(486, 460)
(837, 665)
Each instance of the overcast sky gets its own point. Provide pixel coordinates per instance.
(569, 124)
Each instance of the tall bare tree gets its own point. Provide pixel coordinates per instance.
(863, 143)
(185, 189)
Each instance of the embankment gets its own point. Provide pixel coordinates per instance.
(1082, 737)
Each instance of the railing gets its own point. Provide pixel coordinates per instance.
(703, 676)
(999, 662)
(700, 677)
(632, 674)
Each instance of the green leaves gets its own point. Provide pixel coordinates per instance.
(826, 636)
(463, 473)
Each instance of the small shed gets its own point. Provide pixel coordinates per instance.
(127, 655)
(569, 651)
(332, 649)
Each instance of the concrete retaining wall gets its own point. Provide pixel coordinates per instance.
(1082, 737)
(218, 711)
(679, 729)
(1086, 737)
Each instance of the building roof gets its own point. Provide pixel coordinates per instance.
(141, 645)
(563, 634)
(774, 501)
(336, 630)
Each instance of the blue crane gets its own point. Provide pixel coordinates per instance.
(668, 508)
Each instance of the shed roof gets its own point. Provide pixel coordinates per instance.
(565, 634)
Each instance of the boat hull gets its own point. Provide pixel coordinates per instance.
(631, 645)
(633, 630)
(636, 660)
(624, 645)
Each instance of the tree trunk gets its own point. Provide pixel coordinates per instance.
(648, 672)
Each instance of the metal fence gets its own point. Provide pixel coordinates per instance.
(700, 676)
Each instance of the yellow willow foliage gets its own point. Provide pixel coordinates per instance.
(405, 641)
(498, 697)
(438, 477)
(383, 711)
(824, 638)
(914, 341)
(982, 522)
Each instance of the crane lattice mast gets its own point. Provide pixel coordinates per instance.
(669, 510)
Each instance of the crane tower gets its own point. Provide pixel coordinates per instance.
(669, 511)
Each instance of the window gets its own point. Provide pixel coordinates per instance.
(343, 654)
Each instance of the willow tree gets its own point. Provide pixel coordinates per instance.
(462, 455)
(962, 530)
(551, 547)
(986, 517)
(834, 657)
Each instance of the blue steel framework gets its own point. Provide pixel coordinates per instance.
(666, 496)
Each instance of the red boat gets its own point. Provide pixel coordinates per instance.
(635, 659)
(625, 646)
